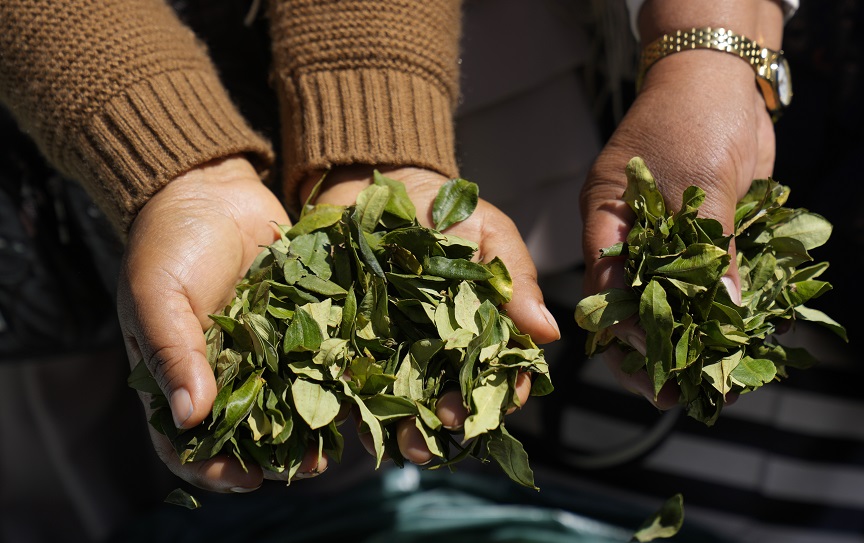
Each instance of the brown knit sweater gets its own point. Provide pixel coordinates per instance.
(119, 95)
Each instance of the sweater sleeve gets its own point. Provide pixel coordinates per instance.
(119, 95)
(365, 82)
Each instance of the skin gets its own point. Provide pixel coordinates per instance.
(186, 250)
(195, 239)
(698, 120)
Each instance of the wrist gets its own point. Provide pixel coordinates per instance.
(699, 74)
(348, 180)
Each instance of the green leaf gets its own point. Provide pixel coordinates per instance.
(655, 316)
(366, 252)
(619, 249)
(399, 205)
(332, 355)
(371, 423)
(600, 311)
(814, 315)
(313, 283)
(754, 372)
(796, 357)
(687, 289)
(487, 401)
(801, 292)
(810, 229)
(422, 242)
(809, 272)
(665, 523)
(368, 377)
(318, 217)
(313, 250)
(455, 202)
(236, 330)
(456, 269)
(141, 379)
(641, 192)
(511, 456)
(303, 334)
(763, 272)
(349, 315)
(180, 497)
(718, 374)
(466, 304)
(371, 203)
(387, 407)
(429, 418)
(456, 247)
(717, 345)
(320, 295)
(429, 437)
(237, 408)
(314, 403)
(406, 260)
(264, 339)
(500, 280)
(699, 264)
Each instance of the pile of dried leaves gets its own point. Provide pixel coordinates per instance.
(696, 335)
(362, 304)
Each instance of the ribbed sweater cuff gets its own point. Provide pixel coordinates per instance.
(152, 133)
(365, 116)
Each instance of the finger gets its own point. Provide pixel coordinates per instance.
(364, 435)
(161, 328)
(731, 279)
(451, 411)
(639, 383)
(523, 390)
(219, 474)
(312, 465)
(500, 237)
(343, 414)
(411, 443)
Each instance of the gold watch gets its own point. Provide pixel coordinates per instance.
(771, 67)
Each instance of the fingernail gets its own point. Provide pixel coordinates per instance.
(550, 319)
(637, 342)
(243, 489)
(309, 474)
(731, 289)
(181, 406)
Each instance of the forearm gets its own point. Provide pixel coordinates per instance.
(372, 82)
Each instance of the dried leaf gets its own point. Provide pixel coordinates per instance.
(455, 202)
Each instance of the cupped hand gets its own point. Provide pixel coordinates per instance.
(495, 234)
(699, 120)
(187, 249)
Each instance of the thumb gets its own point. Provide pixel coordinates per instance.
(160, 327)
(731, 279)
(526, 308)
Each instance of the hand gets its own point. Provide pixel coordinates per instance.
(699, 120)
(495, 234)
(187, 249)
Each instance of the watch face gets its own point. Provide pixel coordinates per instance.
(784, 82)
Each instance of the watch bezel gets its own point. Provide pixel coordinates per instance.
(773, 68)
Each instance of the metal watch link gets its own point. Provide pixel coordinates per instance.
(771, 67)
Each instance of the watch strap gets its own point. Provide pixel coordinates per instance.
(718, 39)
